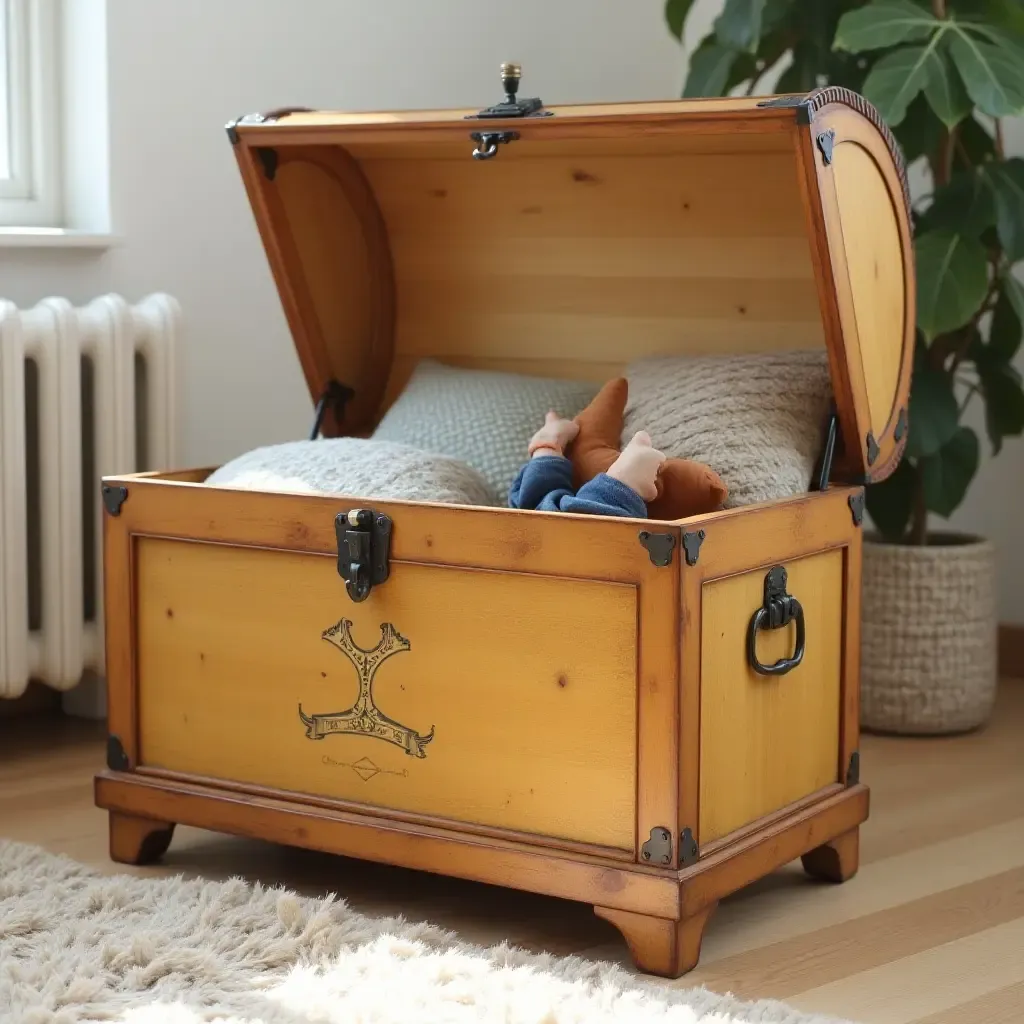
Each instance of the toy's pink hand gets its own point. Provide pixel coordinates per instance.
(553, 436)
(638, 466)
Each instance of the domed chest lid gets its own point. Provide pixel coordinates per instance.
(570, 240)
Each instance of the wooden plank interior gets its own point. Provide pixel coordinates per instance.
(579, 264)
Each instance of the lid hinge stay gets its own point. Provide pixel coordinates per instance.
(335, 396)
(824, 469)
(268, 161)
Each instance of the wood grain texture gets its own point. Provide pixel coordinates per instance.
(596, 259)
(562, 874)
(930, 900)
(767, 741)
(874, 260)
(836, 860)
(867, 374)
(750, 541)
(227, 636)
(329, 254)
(138, 840)
(658, 946)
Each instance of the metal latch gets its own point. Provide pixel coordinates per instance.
(364, 546)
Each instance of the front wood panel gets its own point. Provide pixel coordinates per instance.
(768, 741)
(874, 257)
(528, 682)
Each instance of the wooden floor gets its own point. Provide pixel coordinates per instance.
(931, 930)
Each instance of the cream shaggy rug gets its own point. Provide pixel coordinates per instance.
(78, 946)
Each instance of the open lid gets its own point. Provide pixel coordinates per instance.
(571, 240)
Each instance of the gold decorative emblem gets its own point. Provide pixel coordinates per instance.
(364, 718)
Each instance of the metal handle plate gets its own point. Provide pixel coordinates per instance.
(779, 610)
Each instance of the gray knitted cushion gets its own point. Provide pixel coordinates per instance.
(357, 468)
(481, 417)
(756, 420)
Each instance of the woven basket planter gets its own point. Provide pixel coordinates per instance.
(928, 647)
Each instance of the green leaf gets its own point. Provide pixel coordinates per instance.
(883, 24)
(1004, 335)
(965, 206)
(1013, 289)
(945, 89)
(993, 75)
(933, 414)
(891, 501)
(920, 132)
(1007, 41)
(975, 141)
(947, 474)
(1007, 183)
(1004, 402)
(952, 281)
(896, 79)
(675, 15)
(1006, 14)
(775, 13)
(739, 24)
(709, 71)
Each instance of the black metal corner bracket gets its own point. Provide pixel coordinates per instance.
(779, 609)
(826, 143)
(901, 426)
(268, 160)
(804, 108)
(659, 546)
(658, 849)
(117, 759)
(113, 498)
(267, 117)
(688, 851)
(856, 502)
(691, 545)
(335, 396)
(872, 448)
(853, 769)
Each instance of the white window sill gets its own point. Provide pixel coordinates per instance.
(55, 238)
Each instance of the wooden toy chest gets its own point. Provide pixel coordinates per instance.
(564, 704)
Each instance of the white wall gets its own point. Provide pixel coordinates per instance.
(179, 69)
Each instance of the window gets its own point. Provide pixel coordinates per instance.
(29, 117)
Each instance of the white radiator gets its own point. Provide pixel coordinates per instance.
(84, 391)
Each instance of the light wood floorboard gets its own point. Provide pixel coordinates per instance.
(930, 931)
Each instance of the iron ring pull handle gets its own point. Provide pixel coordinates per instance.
(778, 610)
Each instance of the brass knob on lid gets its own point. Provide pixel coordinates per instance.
(510, 75)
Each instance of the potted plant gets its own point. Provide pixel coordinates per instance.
(943, 74)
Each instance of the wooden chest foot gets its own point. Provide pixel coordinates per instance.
(660, 946)
(835, 861)
(135, 840)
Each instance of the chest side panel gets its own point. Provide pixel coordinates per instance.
(501, 699)
(768, 741)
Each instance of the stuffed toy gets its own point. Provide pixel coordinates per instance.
(545, 482)
(684, 488)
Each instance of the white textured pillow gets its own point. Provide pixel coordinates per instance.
(756, 420)
(357, 468)
(481, 417)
